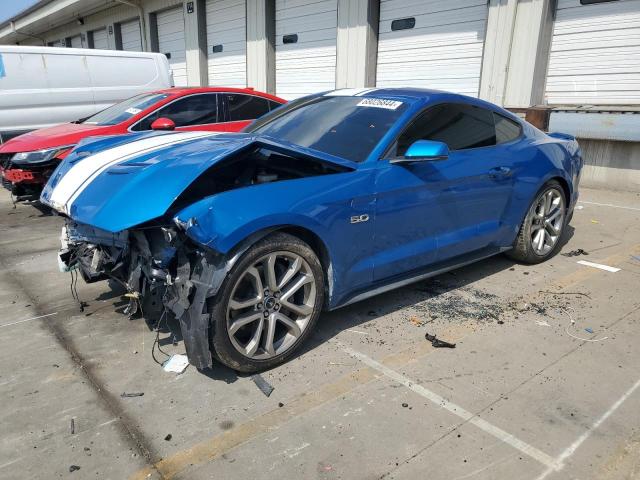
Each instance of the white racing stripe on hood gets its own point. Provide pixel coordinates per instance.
(85, 171)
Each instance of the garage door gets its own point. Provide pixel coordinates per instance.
(56, 43)
(227, 42)
(305, 47)
(99, 38)
(171, 42)
(432, 44)
(130, 33)
(595, 54)
(76, 42)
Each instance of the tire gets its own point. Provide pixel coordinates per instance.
(253, 329)
(548, 218)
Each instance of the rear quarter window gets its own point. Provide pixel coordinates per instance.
(506, 129)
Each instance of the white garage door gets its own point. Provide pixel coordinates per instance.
(227, 42)
(76, 42)
(130, 33)
(432, 44)
(595, 54)
(305, 47)
(171, 43)
(100, 39)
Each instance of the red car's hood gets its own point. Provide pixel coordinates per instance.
(60, 135)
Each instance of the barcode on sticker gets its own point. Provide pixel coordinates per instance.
(133, 111)
(379, 103)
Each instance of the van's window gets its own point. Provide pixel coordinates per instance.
(459, 126)
(125, 110)
(506, 129)
(186, 111)
(245, 107)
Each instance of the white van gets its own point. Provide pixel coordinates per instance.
(45, 86)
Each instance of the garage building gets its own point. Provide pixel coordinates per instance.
(577, 61)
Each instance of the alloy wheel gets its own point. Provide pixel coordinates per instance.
(271, 305)
(547, 221)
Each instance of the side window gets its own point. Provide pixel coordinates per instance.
(459, 126)
(273, 105)
(245, 107)
(506, 130)
(190, 110)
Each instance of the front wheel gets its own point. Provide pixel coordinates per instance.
(268, 304)
(542, 228)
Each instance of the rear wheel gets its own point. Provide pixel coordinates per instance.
(268, 304)
(542, 228)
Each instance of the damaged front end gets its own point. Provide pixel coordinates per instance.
(161, 269)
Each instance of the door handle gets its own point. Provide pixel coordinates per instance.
(500, 172)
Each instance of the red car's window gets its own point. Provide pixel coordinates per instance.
(125, 110)
(201, 109)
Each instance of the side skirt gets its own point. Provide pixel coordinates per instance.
(416, 276)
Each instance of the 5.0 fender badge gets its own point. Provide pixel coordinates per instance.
(360, 218)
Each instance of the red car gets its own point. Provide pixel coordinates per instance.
(27, 161)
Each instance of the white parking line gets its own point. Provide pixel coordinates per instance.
(28, 319)
(570, 450)
(610, 205)
(599, 265)
(467, 416)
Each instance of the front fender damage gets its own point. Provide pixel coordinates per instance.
(163, 272)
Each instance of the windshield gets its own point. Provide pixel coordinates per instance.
(347, 127)
(125, 110)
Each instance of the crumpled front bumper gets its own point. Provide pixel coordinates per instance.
(18, 176)
(162, 274)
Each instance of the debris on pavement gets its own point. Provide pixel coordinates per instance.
(437, 343)
(73, 468)
(73, 426)
(405, 405)
(566, 293)
(129, 395)
(572, 323)
(168, 437)
(588, 330)
(416, 321)
(176, 363)
(264, 386)
(542, 323)
(575, 253)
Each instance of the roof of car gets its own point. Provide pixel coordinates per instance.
(190, 90)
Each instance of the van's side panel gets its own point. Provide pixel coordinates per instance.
(45, 86)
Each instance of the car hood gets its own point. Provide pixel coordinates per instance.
(115, 183)
(60, 135)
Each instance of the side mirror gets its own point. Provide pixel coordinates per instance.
(163, 123)
(424, 150)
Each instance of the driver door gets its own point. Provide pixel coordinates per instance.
(433, 211)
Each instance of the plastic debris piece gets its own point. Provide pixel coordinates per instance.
(405, 405)
(594, 221)
(438, 343)
(73, 468)
(176, 363)
(168, 437)
(588, 330)
(73, 426)
(579, 207)
(575, 253)
(129, 395)
(542, 323)
(264, 386)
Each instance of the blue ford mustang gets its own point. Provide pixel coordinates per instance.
(245, 238)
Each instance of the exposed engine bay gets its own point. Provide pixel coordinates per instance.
(161, 268)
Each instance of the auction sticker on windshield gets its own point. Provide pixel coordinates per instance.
(379, 103)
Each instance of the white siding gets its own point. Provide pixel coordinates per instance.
(443, 50)
(309, 65)
(171, 41)
(131, 39)
(100, 39)
(227, 26)
(595, 54)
